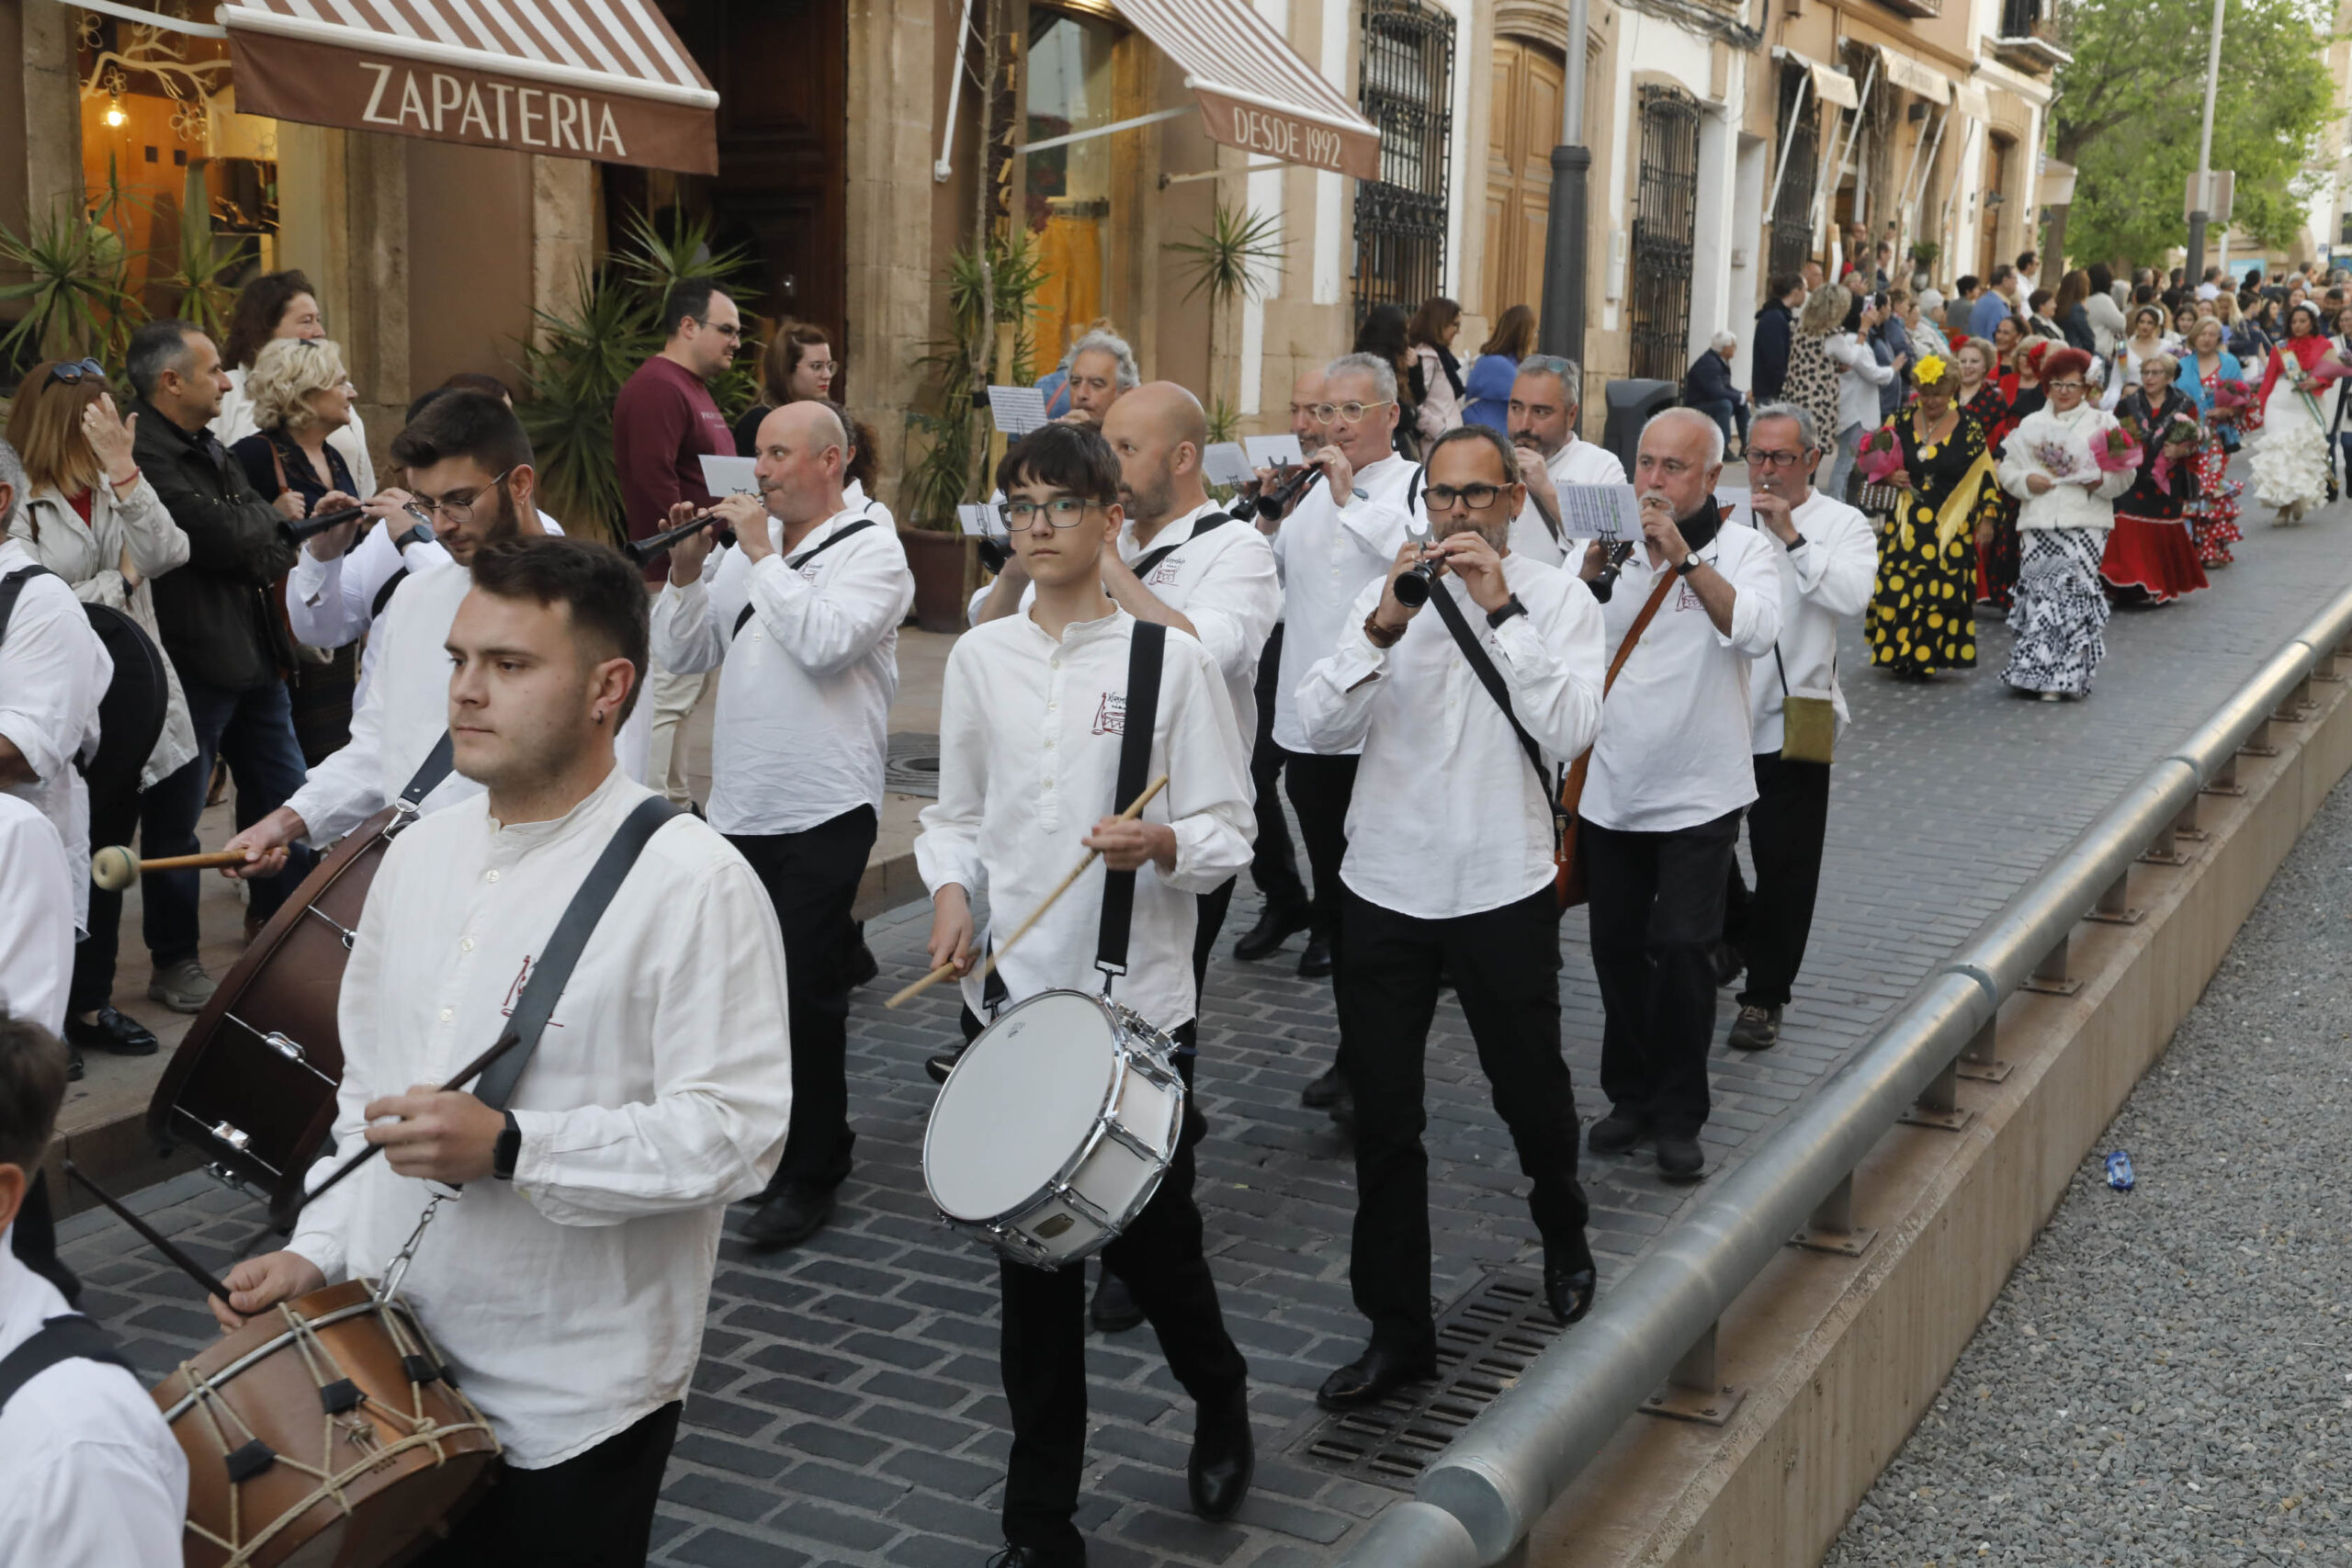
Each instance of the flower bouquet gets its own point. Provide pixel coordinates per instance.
(2058, 460)
(2231, 396)
(2332, 367)
(1879, 455)
(2118, 451)
(2181, 430)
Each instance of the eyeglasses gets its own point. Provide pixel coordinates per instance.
(1478, 498)
(733, 334)
(1758, 459)
(2064, 386)
(457, 509)
(77, 373)
(1348, 412)
(1061, 512)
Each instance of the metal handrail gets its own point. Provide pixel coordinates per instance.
(1478, 1503)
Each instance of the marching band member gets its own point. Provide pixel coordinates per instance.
(1670, 774)
(1337, 540)
(1449, 867)
(1033, 715)
(800, 617)
(567, 1283)
(468, 466)
(1543, 413)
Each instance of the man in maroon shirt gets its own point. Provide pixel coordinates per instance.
(663, 424)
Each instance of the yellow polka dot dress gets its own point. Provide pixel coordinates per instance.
(1923, 614)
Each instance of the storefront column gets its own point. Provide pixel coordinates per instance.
(375, 320)
(893, 139)
(53, 95)
(563, 232)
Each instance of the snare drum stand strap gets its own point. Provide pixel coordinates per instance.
(1145, 652)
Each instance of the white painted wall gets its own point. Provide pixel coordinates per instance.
(1330, 213)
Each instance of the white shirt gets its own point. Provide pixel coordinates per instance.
(90, 1476)
(53, 669)
(37, 884)
(402, 713)
(1030, 734)
(1449, 818)
(803, 726)
(1579, 462)
(1327, 553)
(570, 1299)
(332, 601)
(235, 421)
(1829, 580)
(1675, 744)
(1225, 582)
(1859, 378)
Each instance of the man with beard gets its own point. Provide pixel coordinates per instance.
(1544, 409)
(1449, 870)
(1668, 779)
(468, 469)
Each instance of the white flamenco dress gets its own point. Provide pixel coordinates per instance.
(2290, 458)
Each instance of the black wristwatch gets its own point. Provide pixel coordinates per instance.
(507, 1150)
(1797, 543)
(1511, 606)
(1691, 563)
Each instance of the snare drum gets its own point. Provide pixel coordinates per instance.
(1055, 1128)
(323, 1434)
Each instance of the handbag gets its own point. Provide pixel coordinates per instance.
(1567, 875)
(1808, 718)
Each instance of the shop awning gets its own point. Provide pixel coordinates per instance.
(603, 79)
(1255, 92)
(1830, 84)
(1912, 76)
(1973, 102)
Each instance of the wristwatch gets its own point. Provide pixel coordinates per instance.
(1511, 606)
(1797, 543)
(1691, 563)
(507, 1150)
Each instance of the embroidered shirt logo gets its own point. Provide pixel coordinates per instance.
(1687, 598)
(514, 990)
(1163, 575)
(1111, 714)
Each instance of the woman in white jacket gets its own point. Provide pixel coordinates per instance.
(2050, 464)
(1860, 376)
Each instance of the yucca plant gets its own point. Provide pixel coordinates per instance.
(76, 300)
(194, 268)
(1225, 262)
(947, 475)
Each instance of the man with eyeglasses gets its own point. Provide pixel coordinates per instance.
(1466, 706)
(468, 468)
(1543, 413)
(664, 424)
(224, 639)
(1670, 774)
(1827, 556)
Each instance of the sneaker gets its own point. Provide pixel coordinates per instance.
(1755, 1028)
(182, 986)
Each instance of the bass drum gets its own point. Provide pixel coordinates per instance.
(251, 1088)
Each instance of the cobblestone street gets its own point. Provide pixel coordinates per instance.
(847, 1407)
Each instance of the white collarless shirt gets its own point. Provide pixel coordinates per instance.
(1225, 582)
(330, 603)
(1824, 581)
(1675, 745)
(90, 1476)
(37, 884)
(1327, 553)
(1030, 735)
(803, 726)
(1449, 818)
(1580, 462)
(570, 1300)
(402, 711)
(53, 669)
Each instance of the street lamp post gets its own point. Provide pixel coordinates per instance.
(1562, 330)
(2199, 207)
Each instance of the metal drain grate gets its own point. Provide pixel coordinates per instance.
(913, 767)
(1485, 1341)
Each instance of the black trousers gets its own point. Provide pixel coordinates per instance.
(1043, 1346)
(1786, 829)
(114, 817)
(1210, 921)
(1321, 788)
(1274, 865)
(594, 1510)
(1505, 964)
(1656, 903)
(811, 877)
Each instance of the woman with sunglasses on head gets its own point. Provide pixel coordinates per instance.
(281, 305)
(88, 515)
(2290, 459)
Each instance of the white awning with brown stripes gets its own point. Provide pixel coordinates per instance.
(603, 79)
(1254, 90)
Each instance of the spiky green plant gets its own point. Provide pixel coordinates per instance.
(1226, 257)
(193, 266)
(75, 293)
(952, 435)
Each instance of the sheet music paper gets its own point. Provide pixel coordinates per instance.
(729, 476)
(1599, 512)
(977, 518)
(1224, 463)
(1737, 498)
(1273, 451)
(1017, 410)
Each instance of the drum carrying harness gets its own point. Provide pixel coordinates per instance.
(1146, 651)
(70, 1338)
(797, 562)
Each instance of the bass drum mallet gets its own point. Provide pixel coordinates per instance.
(115, 868)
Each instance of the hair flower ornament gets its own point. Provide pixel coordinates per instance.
(1930, 370)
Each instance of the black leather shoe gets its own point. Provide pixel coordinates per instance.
(1275, 926)
(1371, 1376)
(939, 1066)
(111, 1031)
(1316, 962)
(1616, 1133)
(1114, 1309)
(1568, 1288)
(1755, 1028)
(1032, 1557)
(1224, 1456)
(74, 1069)
(789, 1218)
(1324, 1092)
(863, 966)
(1679, 1158)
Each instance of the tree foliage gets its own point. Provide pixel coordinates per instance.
(2127, 109)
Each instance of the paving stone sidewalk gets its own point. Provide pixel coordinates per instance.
(848, 1408)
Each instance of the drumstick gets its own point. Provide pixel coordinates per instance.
(151, 1236)
(115, 868)
(945, 970)
(472, 1069)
